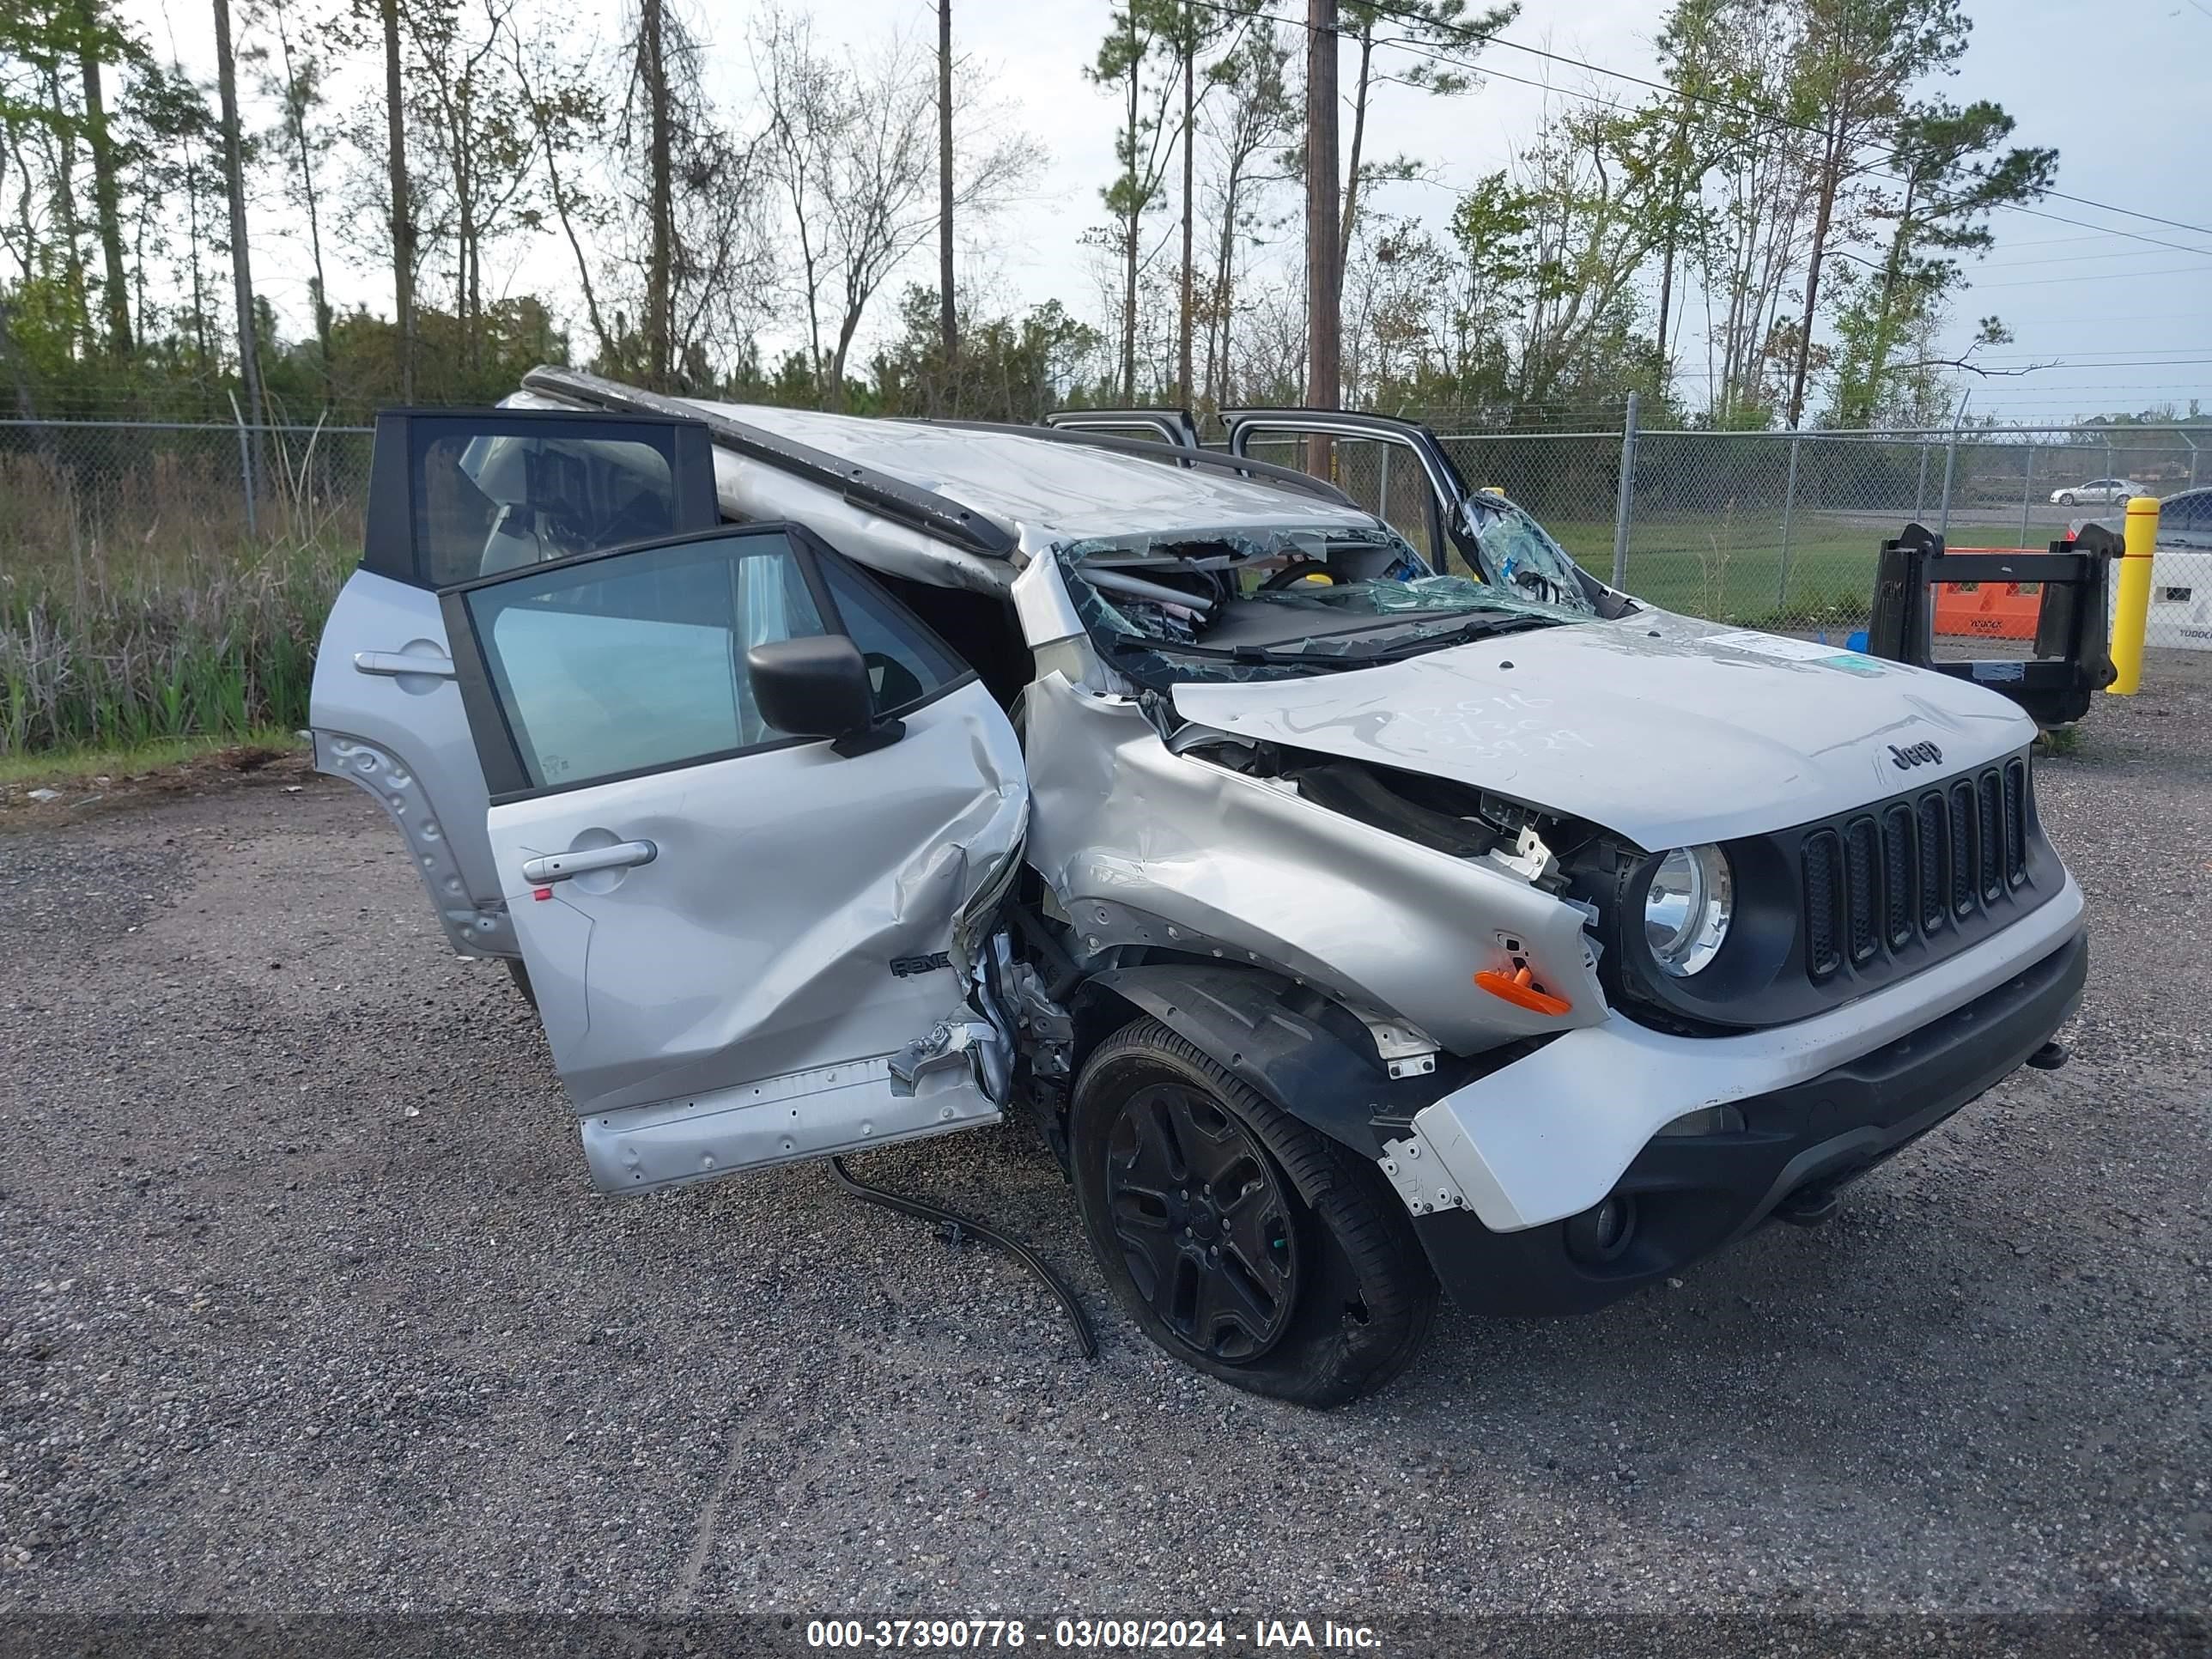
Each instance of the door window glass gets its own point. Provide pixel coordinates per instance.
(905, 663)
(1382, 476)
(491, 501)
(637, 662)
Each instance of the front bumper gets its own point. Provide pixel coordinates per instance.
(1688, 1196)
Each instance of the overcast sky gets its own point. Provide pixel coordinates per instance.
(2118, 87)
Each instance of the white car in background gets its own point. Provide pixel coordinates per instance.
(2101, 490)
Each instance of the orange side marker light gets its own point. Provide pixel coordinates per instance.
(1515, 989)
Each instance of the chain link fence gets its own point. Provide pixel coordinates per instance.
(78, 488)
(168, 581)
(138, 558)
(1781, 531)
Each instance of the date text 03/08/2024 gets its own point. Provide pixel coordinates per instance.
(1091, 1635)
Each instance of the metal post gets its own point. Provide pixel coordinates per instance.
(2108, 460)
(1789, 512)
(246, 467)
(2192, 442)
(2026, 490)
(1920, 489)
(1383, 483)
(2131, 608)
(1624, 501)
(1950, 466)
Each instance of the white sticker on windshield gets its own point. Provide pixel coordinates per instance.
(1783, 649)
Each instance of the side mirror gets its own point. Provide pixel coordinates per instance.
(819, 688)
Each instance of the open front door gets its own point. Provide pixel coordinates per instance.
(748, 943)
(1401, 471)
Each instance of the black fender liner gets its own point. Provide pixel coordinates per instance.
(1262, 1027)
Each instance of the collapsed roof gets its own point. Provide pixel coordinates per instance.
(954, 505)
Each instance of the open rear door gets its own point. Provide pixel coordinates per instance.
(454, 496)
(749, 945)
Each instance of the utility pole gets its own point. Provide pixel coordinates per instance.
(241, 274)
(1187, 47)
(950, 314)
(402, 215)
(660, 252)
(1322, 310)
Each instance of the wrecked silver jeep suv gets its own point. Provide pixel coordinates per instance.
(1360, 907)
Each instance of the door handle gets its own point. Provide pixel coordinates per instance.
(391, 663)
(559, 866)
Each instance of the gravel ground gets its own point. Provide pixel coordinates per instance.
(304, 1304)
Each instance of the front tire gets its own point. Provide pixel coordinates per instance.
(2065, 501)
(1245, 1243)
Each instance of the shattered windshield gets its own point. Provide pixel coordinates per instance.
(1246, 605)
(1519, 555)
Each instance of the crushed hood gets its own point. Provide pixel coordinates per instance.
(1668, 730)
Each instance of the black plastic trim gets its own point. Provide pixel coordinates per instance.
(1695, 1194)
(1243, 1020)
(1782, 962)
(1177, 426)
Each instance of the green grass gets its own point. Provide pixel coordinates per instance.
(153, 614)
(61, 768)
(1731, 571)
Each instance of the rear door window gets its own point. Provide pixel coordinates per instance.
(458, 497)
(489, 503)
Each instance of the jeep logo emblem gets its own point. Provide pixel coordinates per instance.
(1918, 755)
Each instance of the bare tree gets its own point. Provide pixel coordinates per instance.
(948, 312)
(1141, 147)
(686, 252)
(295, 83)
(1257, 117)
(850, 145)
(97, 40)
(1324, 260)
(477, 144)
(1439, 36)
(653, 81)
(402, 217)
(234, 173)
(562, 103)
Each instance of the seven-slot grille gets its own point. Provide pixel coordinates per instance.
(1910, 867)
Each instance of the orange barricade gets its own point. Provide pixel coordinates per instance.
(1987, 611)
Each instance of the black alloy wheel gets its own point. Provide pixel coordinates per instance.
(1203, 1222)
(1240, 1238)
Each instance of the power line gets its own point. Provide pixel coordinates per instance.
(1770, 116)
(2107, 230)
(2094, 276)
(1767, 116)
(2118, 351)
(2073, 258)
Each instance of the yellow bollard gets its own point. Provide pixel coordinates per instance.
(2133, 607)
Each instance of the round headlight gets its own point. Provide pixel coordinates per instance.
(1688, 908)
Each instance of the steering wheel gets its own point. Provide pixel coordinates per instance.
(1296, 572)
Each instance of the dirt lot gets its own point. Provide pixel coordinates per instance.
(304, 1304)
